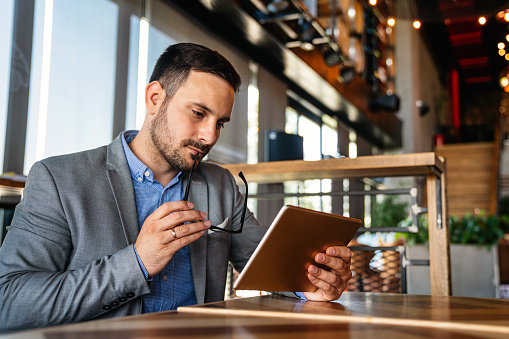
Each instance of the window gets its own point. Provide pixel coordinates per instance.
(253, 101)
(73, 77)
(7, 8)
(320, 141)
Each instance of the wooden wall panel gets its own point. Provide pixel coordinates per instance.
(469, 176)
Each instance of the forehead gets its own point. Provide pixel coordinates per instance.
(208, 91)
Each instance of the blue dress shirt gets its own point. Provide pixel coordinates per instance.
(173, 286)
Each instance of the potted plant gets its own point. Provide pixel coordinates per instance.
(474, 258)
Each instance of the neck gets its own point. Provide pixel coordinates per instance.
(144, 150)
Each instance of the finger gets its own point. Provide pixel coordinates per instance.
(325, 276)
(188, 229)
(325, 290)
(333, 263)
(342, 252)
(181, 217)
(169, 208)
(184, 241)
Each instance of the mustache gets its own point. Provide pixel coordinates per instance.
(204, 148)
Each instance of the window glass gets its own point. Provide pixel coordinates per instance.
(81, 81)
(292, 121)
(7, 8)
(253, 97)
(329, 141)
(310, 131)
(329, 136)
(157, 44)
(132, 76)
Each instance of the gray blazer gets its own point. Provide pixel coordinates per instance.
(68, 255)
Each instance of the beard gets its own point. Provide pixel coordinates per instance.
(168, 148)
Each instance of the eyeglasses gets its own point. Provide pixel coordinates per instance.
(215, 228)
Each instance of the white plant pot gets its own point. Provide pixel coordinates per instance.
(474, 271)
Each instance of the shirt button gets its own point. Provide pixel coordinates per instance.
(140, 179)
(165, 277)
(147, 173)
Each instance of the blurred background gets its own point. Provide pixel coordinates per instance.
(321, 79)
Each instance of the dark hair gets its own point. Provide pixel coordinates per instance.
(174, 65)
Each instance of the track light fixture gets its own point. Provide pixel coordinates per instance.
(333, 56)
(388, 102)
(346, 74)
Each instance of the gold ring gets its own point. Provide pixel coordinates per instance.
(174, 234)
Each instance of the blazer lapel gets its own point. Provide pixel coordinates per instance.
(198, 195)
(120, 180)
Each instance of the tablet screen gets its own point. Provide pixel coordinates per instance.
(296, 235)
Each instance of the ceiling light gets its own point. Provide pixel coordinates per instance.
(504, 82)
(501, 45)
(389, 102)
(346, 74)
(391, 22)
(277, 6)
(417, 24)
(482, 20)
(307, 46)
(331, 57)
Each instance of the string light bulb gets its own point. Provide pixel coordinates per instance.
(482, 20)
(372, 2)
(391, 22)
(501, 45)
(417, 24)
(503, 79)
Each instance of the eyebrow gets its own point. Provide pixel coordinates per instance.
(205, 108)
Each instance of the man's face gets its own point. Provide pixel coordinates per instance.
(189, 124)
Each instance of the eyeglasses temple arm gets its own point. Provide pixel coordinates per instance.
(186, 194)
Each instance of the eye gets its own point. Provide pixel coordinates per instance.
(220, 125)
(198, 114)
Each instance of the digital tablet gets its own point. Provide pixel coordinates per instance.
(296, 235)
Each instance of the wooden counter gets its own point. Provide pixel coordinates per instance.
(355, 315)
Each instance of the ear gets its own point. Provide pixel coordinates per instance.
(154, 97)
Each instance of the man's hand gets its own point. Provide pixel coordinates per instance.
(156, 243)
(330, 284)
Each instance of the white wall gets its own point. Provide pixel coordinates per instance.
(417, 78)
(273, 102)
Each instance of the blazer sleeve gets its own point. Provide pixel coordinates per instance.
(36, 287)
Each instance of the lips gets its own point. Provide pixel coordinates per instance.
(196, 152)
(197, 149)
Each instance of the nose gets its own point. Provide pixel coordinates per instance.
(208, 133)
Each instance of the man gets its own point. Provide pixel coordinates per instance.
(105, 233)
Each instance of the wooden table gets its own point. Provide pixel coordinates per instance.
(355, 315)
(10, 192)
(417, 164)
